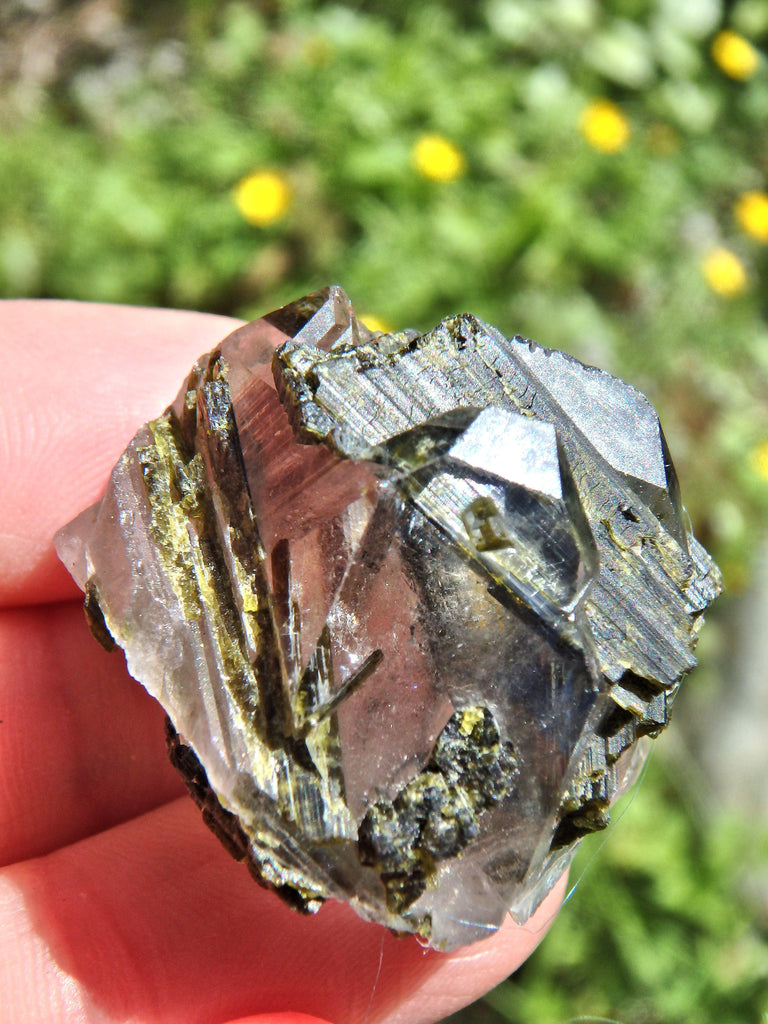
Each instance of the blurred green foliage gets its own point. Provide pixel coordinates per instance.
(126, 128)
(117, 171)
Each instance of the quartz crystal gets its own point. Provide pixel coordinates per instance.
(409, 602)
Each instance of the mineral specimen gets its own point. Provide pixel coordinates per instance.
(408, 601)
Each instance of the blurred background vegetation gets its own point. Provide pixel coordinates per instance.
(591, 174)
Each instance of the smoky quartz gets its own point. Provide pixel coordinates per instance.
(411, 604)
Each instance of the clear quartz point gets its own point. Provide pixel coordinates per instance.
(410, 602)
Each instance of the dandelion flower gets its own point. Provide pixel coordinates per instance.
(438, 159)
(375, 324)
(759, 460)
(604, 126)
(262, 197)
(751, 212)
(724, 273)
(734, 55)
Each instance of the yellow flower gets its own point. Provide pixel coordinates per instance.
(724, 273)
(262, 197)
(759, 459)
(375, 324)
(604, 126)
(751, 212)
(438, 159)
(734, 55)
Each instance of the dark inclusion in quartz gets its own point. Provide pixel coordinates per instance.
(408, 601)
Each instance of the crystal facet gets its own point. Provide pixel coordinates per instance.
(408, 601)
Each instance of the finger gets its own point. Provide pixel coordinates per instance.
(81, 744)
(153, 922)
(279, 1018)
(79, 380)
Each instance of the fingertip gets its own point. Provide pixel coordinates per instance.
(280, 1018)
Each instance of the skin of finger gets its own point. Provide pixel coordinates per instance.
(153, 922)
(79, 380)
(279, 1018)
(81, 743)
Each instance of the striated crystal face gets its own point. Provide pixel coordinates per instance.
(408, 601)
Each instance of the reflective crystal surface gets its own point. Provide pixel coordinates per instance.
(408, 601)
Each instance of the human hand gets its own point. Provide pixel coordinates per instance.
(116, 903)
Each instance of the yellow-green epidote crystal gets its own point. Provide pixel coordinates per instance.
(408, 601)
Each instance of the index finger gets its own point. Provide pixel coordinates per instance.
(80, 379)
